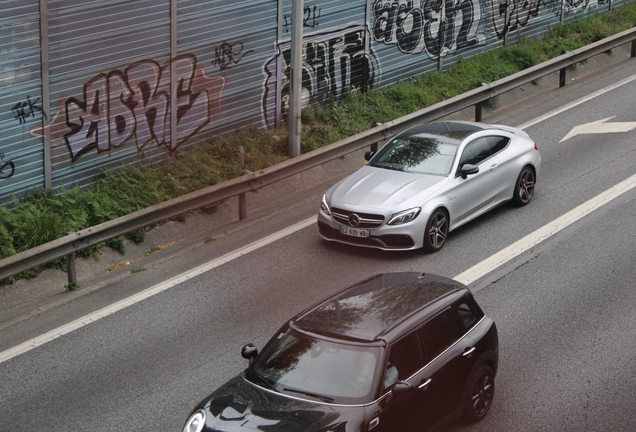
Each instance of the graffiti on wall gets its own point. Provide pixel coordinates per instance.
(334, 65)
(227, 55)
(133, 106)
(26, 109)
(7, 167)
(310, 18)
(508, 15)
(437, 26)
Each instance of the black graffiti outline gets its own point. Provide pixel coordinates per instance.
(20, 112)
(308, 14)
(3, 165)
(437, 26)
(518, 14)
(335, 63)
(224, 55)
(96, 105)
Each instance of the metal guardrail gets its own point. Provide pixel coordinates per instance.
(77, 241)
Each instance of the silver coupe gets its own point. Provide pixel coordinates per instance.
(427, 181)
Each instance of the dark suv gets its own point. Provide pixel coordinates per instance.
(396, 352)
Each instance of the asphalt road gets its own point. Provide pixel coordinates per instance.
(564, 308)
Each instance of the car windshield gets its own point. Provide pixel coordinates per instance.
(418, 154)
(311, 368)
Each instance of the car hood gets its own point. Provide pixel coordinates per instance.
(241, 406)
(385, 189)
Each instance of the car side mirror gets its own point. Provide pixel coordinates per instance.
(249, 352)
(368, 155)
(468, 169)
(401, 389)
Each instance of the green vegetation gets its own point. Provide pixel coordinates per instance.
(40, 217)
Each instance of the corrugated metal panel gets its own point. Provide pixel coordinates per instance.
(110, 68)
(21, 164)
(232, 41)
(110, 81)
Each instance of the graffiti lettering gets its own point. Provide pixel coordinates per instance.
(310, 18)
(437, 26)
(22, 110)
(227, 55)
(7, 168)
(134, 105)
(508, 15)
(334, 65)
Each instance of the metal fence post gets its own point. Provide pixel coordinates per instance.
(70, 269)
(242, 198)
(562, 74)
(478, 106)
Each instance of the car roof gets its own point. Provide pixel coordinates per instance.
(452, 131)
(372, 308)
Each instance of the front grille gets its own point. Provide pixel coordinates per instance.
(385, 241)
(367, 220)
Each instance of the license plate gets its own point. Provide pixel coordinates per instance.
(354, 232)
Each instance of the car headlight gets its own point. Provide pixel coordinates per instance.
(404, 216)
(324, 206)
(196, 422)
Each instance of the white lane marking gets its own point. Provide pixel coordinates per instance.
(466, 277)
(545, 232)
(122, 304)
(577, 102)
(600, 126)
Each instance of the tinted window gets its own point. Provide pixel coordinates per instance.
(425, 155)
(439, 333)
(404, 360)
(468, 311)
(497, 143)
(294, 362)
(475, 152)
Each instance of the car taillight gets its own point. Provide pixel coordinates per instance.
(535, 146)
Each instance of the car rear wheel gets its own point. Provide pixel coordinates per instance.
(481, 390)
(524, 188)
(436, 231)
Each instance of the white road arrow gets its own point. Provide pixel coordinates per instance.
(600, 126)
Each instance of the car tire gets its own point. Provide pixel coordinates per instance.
(436, 231)
(524, 187)
(481, 390)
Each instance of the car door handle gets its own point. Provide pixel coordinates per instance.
(493, 166)
(468, 352)
(424, 385)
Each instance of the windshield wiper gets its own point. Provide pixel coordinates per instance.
(317, 396)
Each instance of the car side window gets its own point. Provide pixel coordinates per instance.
(497, 143)
(468, 311)
(475, 152)
(404, 360)
(439, 333)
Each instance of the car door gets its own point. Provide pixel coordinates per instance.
(477, 192)
(404, 360)
(449, 362)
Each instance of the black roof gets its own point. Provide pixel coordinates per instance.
(371, 308)
(453, 131)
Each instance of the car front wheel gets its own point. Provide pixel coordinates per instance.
(481, 390)
(436, 231)
(524, 188)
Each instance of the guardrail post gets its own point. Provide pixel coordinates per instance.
(374, 146)
(562, 74)
(70, 269)
(478, 106)
(634, 48)
(242, 198)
